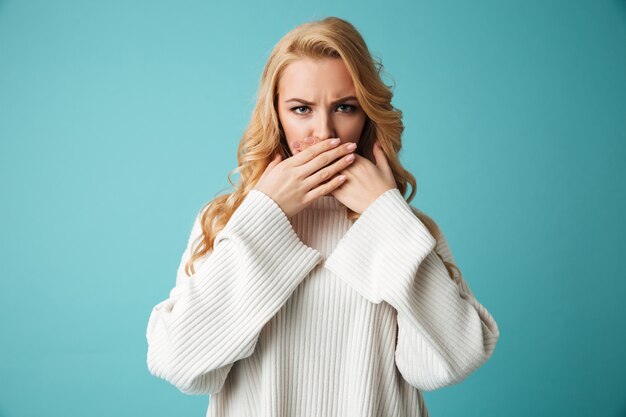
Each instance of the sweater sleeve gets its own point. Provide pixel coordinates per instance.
(214, 318)
(388, 254)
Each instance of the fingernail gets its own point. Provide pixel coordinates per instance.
(296, 144)
(309, 140)
(335, 141)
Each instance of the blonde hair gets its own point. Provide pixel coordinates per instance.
(330, 37)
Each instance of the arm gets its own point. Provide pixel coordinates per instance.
(388, 254)
(214, 317)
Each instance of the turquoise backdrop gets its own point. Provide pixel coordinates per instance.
(119, 119)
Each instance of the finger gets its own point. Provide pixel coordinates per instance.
(325, 164)
(318, 170)
(327, 187)
(305, 143)
(306, 155)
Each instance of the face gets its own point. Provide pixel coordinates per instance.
(313, 100)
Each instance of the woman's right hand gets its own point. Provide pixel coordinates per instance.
(297, 181)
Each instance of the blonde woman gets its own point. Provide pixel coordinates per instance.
(315, 288)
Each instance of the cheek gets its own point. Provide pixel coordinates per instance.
(294, 131)
(291, 128)
(351, 130)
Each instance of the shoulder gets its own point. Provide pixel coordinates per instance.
(196, 233)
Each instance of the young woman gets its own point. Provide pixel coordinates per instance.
(315, 288)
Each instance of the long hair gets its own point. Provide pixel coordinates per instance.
(330, 37)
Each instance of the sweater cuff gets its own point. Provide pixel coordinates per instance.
(262, 231)
(261, 221)
(380, 253)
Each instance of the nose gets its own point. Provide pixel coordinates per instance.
(324, 127)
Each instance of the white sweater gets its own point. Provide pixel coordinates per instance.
(318, 315)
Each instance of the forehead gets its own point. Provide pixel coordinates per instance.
(309, 76)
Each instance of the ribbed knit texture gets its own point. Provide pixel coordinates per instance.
(318, 315)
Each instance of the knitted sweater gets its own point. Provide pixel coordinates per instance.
(318, 315)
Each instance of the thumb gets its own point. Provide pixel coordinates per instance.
(379, 155)
(275, 161)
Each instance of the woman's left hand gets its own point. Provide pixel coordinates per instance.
(365, 181)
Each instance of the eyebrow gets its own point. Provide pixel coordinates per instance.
(334, 102)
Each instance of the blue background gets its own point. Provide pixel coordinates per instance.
(119, 119)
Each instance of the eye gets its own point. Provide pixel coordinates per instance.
(293, 109)
(351, 108)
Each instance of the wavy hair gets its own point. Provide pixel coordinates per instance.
(331, 37)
